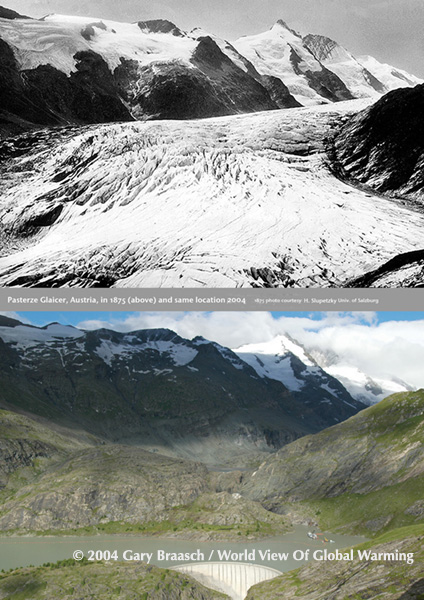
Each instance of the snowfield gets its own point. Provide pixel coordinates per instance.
(226, 202)
(57, 38)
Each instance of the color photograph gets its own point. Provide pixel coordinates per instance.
(241, 456)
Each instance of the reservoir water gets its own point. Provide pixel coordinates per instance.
(290, 549)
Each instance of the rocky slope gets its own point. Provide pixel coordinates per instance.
(98, 486)
(382, 146)
(168, 394)
(359, 579)
(81, 581)
(54, 479)
(364, 475)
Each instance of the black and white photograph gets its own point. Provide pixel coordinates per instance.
(190, 144)
(211, 456)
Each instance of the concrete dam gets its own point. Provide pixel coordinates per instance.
(233, 579)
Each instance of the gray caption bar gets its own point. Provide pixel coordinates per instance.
(24, 299)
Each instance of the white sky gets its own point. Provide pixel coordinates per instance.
(390, 30)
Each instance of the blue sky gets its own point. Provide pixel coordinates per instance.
(75, 318)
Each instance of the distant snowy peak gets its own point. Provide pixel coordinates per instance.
(390, 76)
(363, 387)
(364, 76)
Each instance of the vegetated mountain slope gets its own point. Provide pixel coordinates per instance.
(102, 485)
(193, 398)
(103, 581)
(364, 475)
(362, 578)
(56, 479)
(32, 445)
(237, 201)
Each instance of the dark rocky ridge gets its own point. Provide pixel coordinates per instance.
(160, 26)
(383, 146)
(7, 13)
(46, 96)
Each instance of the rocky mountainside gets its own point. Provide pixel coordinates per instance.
(189, 398)
(364, 475)
(370, 578)
(60, 70)
(56, 479)
(382, 146)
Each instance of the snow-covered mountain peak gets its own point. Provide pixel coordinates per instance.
(282, 25)
(284, 359)
(280, 346)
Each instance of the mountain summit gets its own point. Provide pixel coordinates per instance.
(63, 69)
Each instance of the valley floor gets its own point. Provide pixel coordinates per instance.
(245, 201)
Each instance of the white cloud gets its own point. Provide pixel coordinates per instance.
(380, 350)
